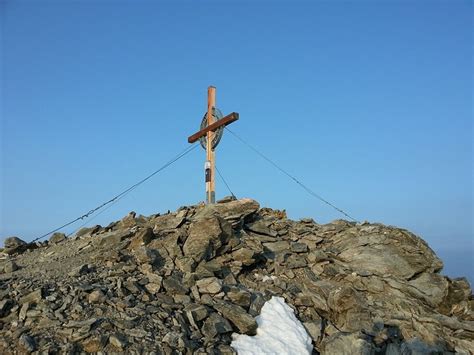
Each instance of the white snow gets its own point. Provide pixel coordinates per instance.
(279, 332)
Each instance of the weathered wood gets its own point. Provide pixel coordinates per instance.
(210, 183)
(224, 121)
(210, 132)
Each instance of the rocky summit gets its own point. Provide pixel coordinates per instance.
(184, 282)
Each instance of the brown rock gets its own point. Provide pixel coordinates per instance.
(205, 237)
(96, 296)
(244, 322)
(141, 238)
(210, 285)
(57, 238)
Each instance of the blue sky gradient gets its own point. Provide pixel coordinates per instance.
(368, 103)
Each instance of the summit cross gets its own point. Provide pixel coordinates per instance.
(209, 136)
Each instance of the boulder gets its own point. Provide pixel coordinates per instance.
(14, 245)
(13, 242)
(87, 231)
(215, 324)
(261, 227)
(205, 237)
(57, 238)
(10, 266)
(119, 341)
(174, 285)
(28, 343)
(210, 285)
(348, 343)
(196, 313)
(167, 223)
(5, 306)
(111, 239)
(141, 238)
(32, 297)
(243, 321)
(233, 211)
(386, 252)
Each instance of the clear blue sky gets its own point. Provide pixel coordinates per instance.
(369, 103)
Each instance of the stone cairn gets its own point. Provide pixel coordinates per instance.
(184, 282)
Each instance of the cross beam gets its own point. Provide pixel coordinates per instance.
(209, 132)
(224, 121)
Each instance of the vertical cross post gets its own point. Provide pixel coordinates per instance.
(212, 126)
(210, 165)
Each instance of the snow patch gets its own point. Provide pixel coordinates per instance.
(279, 332)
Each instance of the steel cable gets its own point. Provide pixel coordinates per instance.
(225, 182)
(307, 189)
(122, 194)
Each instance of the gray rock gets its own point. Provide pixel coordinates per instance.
(256, 304)
(10, 266)
(113, 238)
(295, 261)
(210, 285)
(299, 247)
(417, 347)
(5, 306)
(244, 255)
(277, 246)
(142, 238)
(167, 223)
(433, 287)
(153, 287)
(13, 242)
(205, 237)
(78, 271)
(132, 286)
(261, 227)
(243, 321)
(27, 342)
(314, 329)
(175, 340)
(233, 211)
(227, 199)
(145, 255)
(196, 313)
(129, 220)
(33, 297)
(379, 251)
(23, 311)
(239, 297)
(393, 349)
(118, 340)
(14, 245)
(57, 238)
(87, 231)
(82, 323)
(214, 325)
(185, 264)
(347, 343)
(174, 285)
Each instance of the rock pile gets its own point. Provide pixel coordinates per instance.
(183, 282)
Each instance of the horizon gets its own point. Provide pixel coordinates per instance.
(369, 105)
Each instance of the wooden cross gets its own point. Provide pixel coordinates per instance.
(209, 135)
